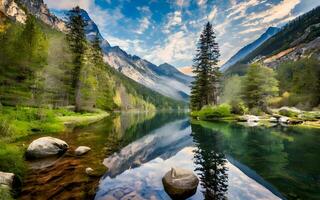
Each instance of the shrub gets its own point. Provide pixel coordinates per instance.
(214, 112)
(256, 111)
(239, 108)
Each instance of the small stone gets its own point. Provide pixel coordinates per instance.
(89, 171)
(82, 150)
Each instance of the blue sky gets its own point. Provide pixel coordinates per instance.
(167, 30)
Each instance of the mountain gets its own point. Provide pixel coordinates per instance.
(250, 47)
(16, 10)
(45, 76)
(164, 79)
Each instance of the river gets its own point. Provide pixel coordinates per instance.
(232, 161)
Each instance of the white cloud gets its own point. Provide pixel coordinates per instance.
(174, 19)
(179, 46)
(201, 2)
(144, 25)
(213, 13)
(64, 5)
(275, 12)
(250, 30)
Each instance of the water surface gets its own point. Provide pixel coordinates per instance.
(232, 161)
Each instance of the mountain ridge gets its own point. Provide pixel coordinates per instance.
(174, 84)
(244, 51)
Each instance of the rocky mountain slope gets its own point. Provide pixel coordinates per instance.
(16, 10)
(243, 52)
(164, 79)
(297, 39)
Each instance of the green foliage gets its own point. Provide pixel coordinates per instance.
(259, 85)
(77, 42)
(301, 80)
(231, 91)
(23, 53)
(238, 107)
(213, 112)
(12, 160)
(204, 89)
(5, 194)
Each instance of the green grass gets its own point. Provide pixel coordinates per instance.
(5, 194)
(12, 160)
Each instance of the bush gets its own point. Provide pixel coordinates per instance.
(214, 112)
(256, 111)
(239, 108)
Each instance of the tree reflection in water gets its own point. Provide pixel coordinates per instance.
(210, 163)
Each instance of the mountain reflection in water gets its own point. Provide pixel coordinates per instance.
(137, 169)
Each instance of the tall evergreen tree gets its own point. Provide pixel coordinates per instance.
(204, 89)
(97, 51)
(77, 42)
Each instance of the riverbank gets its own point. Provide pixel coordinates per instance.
(284, 116)
(18, 124)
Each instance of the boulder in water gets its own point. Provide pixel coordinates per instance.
(46, 147)
(180, 183)
(82, 150)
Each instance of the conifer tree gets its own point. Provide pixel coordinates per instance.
(204, 89)
(97, 51)
(77, 42)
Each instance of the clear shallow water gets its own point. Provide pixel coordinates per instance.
(232, 161)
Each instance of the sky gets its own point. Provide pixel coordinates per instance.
(168, 30)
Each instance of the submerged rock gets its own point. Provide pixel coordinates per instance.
(82, 150)
(180, 183)
(45, 147)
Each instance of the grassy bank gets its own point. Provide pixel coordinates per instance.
(17, 123)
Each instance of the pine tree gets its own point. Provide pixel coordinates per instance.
(97, 51)
(77, 42)
(205, 88)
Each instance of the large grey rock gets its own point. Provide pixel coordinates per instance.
(180, 183)
(46, 147)
(82, 150)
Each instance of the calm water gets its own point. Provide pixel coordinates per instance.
(232, 161)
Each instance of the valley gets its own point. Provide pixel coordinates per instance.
(85, 117)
